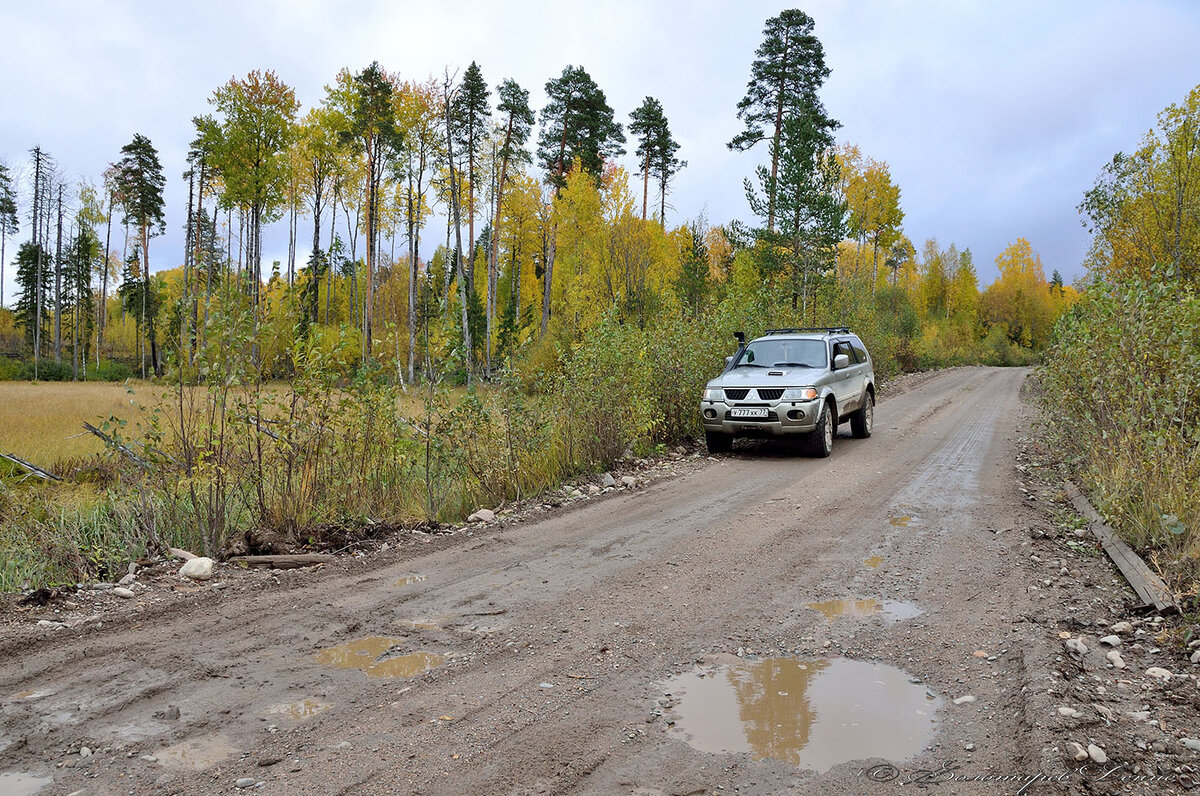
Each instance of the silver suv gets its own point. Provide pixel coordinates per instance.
(791, 381)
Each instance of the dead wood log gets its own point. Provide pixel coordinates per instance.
(294, 561)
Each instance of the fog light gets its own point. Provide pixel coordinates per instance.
(710, 413)
(795, 414)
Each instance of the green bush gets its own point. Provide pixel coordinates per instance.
(1121, 385)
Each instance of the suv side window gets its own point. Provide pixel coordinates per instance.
(860, 350)
(843, 347)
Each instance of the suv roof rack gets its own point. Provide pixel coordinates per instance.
(810, 329)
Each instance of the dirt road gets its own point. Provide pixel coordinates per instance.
(763, 623)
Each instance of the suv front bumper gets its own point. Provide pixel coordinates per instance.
(783, 417)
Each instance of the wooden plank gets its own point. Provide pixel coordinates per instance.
(283, 561)
(1148, 585)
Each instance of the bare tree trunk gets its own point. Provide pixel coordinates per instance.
(58, 282)
(462, 281)
(548, 280)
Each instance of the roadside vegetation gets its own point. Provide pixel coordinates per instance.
(1122, 378)
(357, 387)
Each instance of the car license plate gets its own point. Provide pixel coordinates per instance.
(749, 411)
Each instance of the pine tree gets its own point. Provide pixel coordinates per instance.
(647, 123)
(139, 188)
(33, 282)
(472, 115)
(785, 77)
(374, 130)
(577, 124)
(8, 219)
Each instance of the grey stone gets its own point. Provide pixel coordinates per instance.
(121, 591)
(245, 782)
(1097, 754)
(1114, 657)
(1077, 752)
(1191, 743)
(127, 580)
(483, 515)
(1076, 646)
(965, 700)
(1112, 641)
(1159, 673)
(1070, 713)
(1122, 627)
(85, 752)
(200, 568)
(607, 480)
(628, 481)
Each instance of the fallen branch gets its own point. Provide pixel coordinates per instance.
(33, 469)
(581, 676)
(283, 561)
(122, 447)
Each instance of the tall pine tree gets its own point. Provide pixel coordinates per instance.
(785, 77)
(139, 189)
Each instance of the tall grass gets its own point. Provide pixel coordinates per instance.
(1122, 392)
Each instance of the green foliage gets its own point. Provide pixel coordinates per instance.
(1120, 385)
(577, 124)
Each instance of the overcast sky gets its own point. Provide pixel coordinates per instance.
(994, 117)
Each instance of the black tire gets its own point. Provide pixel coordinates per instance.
(820, 441)
(718, 442)
(863, 421)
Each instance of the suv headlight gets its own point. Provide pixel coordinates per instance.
(800, 394)
(712, 395)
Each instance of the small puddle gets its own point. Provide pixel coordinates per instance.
(839, 609)
(17, 784)
(814, 714)
(299, 711)
(901, 521)
(367, 654)
(873, 562)
(197, 754)
(409, 580)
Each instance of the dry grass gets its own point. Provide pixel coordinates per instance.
(43, 422)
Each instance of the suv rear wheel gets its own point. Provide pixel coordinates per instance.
(820, 442)
(862, 421)
(718, 442)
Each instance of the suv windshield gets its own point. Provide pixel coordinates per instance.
(783, 354)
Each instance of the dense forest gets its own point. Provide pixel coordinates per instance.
(540, 232)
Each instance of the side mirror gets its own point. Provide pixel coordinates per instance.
(841, 361)
(728, 361)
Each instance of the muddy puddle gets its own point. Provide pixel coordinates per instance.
(409, 580)
(370, 654)
(839, 609)
(198, 754)
(814, 714)
(300, 710)
(16, 784)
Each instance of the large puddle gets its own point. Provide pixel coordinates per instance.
(369, 654)
(15, 784)
(837, 609)
(814, 714)
(198, 754)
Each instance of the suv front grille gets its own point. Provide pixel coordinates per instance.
(736, 395)
(770, 395)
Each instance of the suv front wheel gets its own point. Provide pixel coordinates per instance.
(820, 442)
(718, 442)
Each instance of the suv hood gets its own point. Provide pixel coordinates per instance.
(767, 377)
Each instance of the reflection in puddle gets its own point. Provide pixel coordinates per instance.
(901, 521)
(366, 654)
(15, 784)
(299, 711)
(873, 562)
(837, 609)
(409, 580)
(814, 714)
(197, 754)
